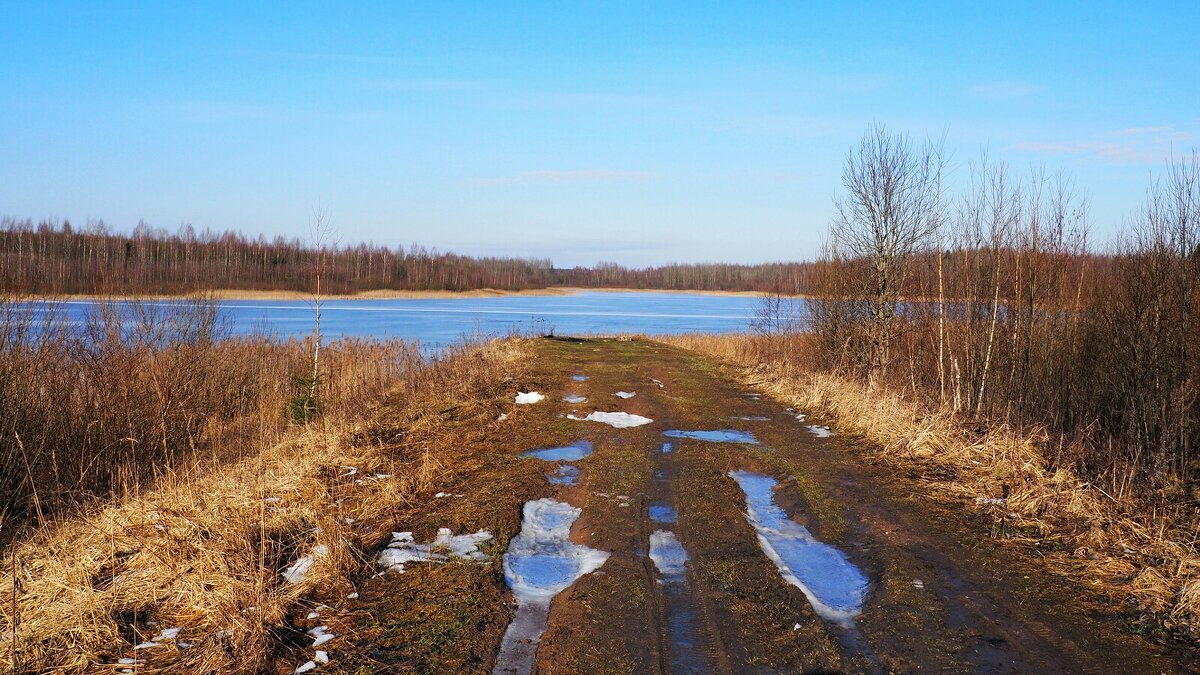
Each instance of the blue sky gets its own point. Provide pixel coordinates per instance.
(634, 133)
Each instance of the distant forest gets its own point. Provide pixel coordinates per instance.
(55, 258)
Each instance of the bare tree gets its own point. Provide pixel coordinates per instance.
(889, 212)
(322, 232)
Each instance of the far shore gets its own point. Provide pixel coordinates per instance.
(388, 294)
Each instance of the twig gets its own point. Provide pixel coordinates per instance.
(37, 504)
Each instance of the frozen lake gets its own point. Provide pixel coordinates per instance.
(436, 322)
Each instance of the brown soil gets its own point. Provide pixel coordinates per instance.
(979, 606)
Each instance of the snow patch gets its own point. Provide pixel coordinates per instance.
(575, 398)
(527, 397)
(540, 563)
(833, 585)
(298, 570)
(820, 431)
(625, 394)
(306, 666)
(320, 635)
(668, 555)
(404, 549)
(620, 420)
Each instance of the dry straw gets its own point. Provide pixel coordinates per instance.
(205, 553)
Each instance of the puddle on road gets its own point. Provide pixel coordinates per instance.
(751, 418)
(666, 448)
(833, 585)
(579, 378)
(715, 436)
(540, 563)
(685, 645)
(661, 513)
(565, 475)
(567, 453)
(575, 398)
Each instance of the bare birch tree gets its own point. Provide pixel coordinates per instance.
(888, 214)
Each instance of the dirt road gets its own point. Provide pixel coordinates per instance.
(833, 565)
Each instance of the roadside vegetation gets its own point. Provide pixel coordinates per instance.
(156, 476)
(975, 337)
(137, 391)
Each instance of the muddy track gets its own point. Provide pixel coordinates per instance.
(940, 596)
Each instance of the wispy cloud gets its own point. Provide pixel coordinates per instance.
(1134, 145)
(568, 176)
(1004, 90)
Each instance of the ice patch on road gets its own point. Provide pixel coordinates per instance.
(715, 436)
(527, 397)
(625, 394)
(575, 398)
(567, 453)
(565, 475)
(668, 556)
(620, 420)
(404, 549)
(833, 585)
(540, 563)
(820, 431)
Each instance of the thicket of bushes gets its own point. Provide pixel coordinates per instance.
(99, 408)
(990, 302)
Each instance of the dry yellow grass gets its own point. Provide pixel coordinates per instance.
(206, 553)
(1099, 540)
